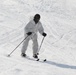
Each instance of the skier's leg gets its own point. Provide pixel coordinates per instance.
(25, 44)
(35, 44)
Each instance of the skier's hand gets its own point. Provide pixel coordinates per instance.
(29, 33)
(44, 34)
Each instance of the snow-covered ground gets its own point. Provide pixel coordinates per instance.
(59, 47)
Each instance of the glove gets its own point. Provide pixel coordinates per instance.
(29, 33)
(44, 34)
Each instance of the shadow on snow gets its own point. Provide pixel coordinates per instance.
(56, 64)
(61, 65)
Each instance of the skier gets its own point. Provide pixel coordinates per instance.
(31, 30)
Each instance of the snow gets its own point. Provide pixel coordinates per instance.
(59, 47)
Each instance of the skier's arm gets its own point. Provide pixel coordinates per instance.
(28, 28)
(41, 29)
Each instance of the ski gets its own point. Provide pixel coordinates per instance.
(43, 60)
(36, 59)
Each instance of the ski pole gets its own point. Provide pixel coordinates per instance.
(17, 46)
(40, 48)
(41, 44)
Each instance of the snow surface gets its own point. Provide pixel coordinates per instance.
(59, 48)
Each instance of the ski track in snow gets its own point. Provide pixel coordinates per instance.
(59, 47)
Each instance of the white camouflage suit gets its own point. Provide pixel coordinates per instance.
(34, 28)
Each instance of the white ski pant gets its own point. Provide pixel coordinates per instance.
(35, 44)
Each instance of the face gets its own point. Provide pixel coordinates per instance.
(36, 19)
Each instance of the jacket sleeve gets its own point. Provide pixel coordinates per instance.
(29, 27)
(41, 29)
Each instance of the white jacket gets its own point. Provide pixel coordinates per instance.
(32, 27)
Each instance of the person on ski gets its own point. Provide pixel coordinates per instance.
(31, 30)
